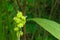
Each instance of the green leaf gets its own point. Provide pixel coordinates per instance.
(51, 26)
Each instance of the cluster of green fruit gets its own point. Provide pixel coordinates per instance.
(20, 22)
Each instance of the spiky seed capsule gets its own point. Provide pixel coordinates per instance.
(16, 28)
(19, 14)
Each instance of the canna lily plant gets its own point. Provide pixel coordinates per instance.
(49, 25)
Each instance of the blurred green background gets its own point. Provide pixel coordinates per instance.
(49, 9)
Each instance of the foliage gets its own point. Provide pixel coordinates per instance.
(51, 26)
(48, 9)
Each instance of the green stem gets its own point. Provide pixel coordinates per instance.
(52, 9)
(18, 37)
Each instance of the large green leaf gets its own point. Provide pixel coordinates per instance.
(51, 26)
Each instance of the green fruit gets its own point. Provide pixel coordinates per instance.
(17, 20)
(21, 33)
(19, 14)
(16, 28)
(20, 25)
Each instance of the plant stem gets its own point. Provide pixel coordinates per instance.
(14, 5)
(52, 9)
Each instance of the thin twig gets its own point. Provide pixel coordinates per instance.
(14, 5)
(52, 9)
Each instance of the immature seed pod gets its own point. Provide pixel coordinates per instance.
(16, 29)
(19, 14)
(17, 20)
(20, 25)
(21, 33)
